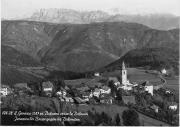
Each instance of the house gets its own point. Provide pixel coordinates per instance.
(129, 99)
(117, 83)
(163, 71)
(125, 87)
(173, 106)
(149, 89)
(135, 84)
(47, 88)
(97, 74)
(5, 90)
(97, 92)
(168, 92)
(21, 85)
(155, 108)
(86, 94)
(106, 101)
(105, 90)
(61, 93)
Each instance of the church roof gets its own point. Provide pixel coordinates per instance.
(123, 66)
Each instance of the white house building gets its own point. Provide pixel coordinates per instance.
(3, 91)
(97, 74)
(163, 71)
(61, 93)
(105, 90)
(149, 89)
(173, 106)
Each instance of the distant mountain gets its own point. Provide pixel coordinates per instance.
(156, 21)
(82, 47)
(155, 58)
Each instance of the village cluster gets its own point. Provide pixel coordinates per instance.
(111, 92)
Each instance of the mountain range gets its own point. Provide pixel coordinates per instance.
(78, 47)
(54, 15)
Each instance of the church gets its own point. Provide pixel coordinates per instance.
(125, 84)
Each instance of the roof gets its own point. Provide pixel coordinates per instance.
(172, 103)
(97, 90)
(21, 85)
(106, 97)
(123, 66)
(78, 99)
(105, 88)
(128, 99)
(47, 84)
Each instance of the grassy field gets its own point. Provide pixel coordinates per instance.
(140, 75)
(135, 75)
(112, 110)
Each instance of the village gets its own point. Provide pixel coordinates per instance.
(99, 90)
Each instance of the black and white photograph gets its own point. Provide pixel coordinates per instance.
(89, 63)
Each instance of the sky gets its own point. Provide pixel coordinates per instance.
(25, 8)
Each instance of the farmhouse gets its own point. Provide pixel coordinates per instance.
(97, 74)
(106, 100)
(61, 93)
(97, 92)
(47, 88)
(173, 106)
(148, 87)
(5, 90)
(105, 90)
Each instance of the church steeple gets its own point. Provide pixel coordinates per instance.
(123, 66)
(124, 74)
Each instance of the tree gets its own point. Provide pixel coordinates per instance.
(118, 120)
(113, 88)
(130, 118)
(105, 118)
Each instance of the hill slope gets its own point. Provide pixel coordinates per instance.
(82, 47)
(10, 56)
(155, 58)
(10, 76)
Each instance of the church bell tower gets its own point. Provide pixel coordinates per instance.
(124, 74)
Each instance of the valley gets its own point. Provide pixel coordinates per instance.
(102, 69)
